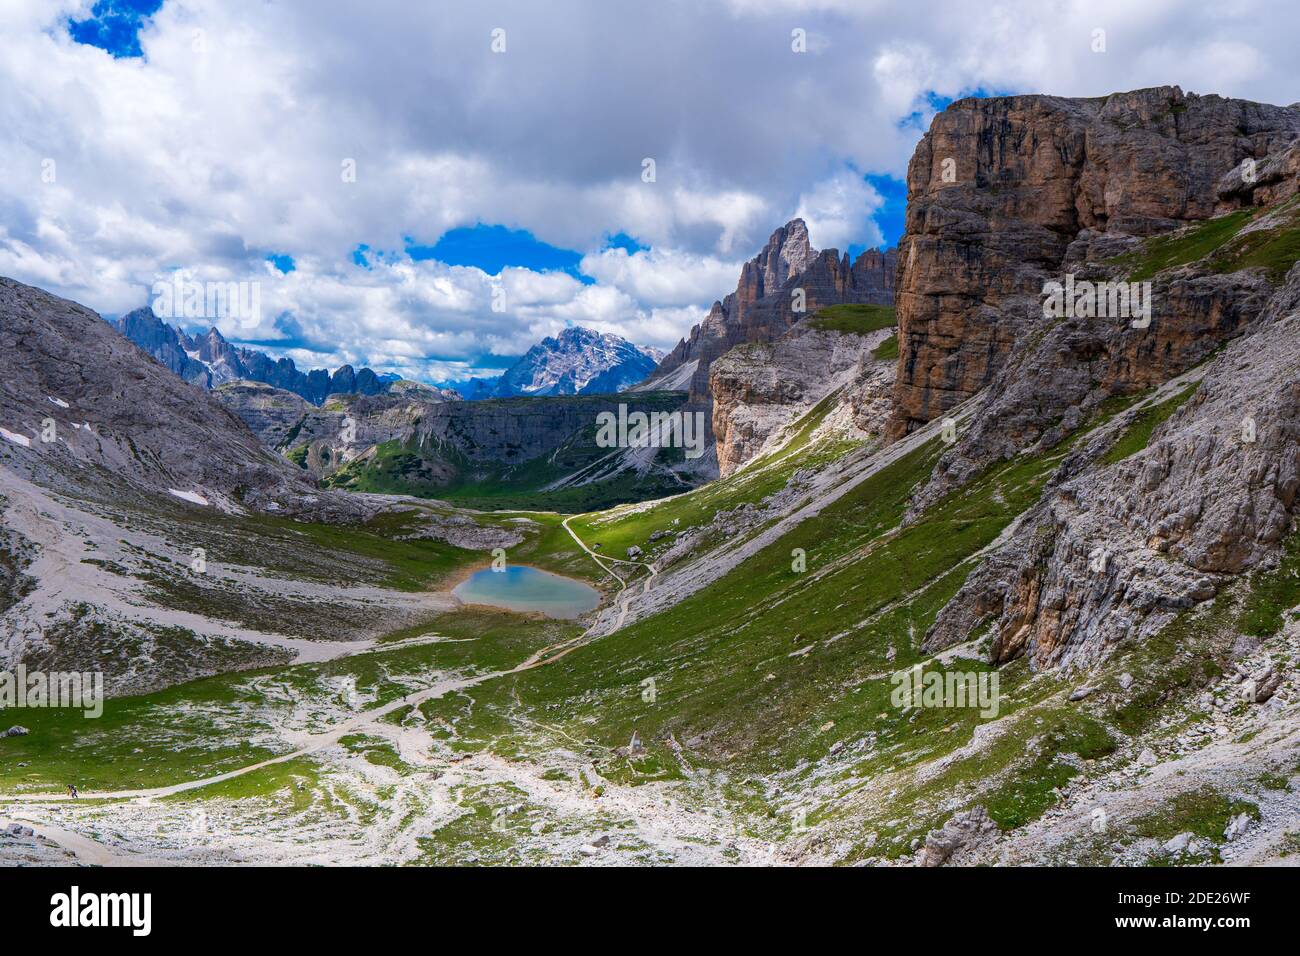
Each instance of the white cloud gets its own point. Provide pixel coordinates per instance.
(838, 211)
(225, 143)
(663, 277)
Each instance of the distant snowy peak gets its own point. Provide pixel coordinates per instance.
(578, 361)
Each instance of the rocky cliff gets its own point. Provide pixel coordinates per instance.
(1144, 517)
(760, 388)
(1008, 193)
(765, 304)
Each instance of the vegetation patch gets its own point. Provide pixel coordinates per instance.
(1204, 812)
(856, 318)
(1273, 594)
(1185, 246)
(1189, 653)
(1274, 250)
(1137, 435)
(1030, 791)
(886, 350)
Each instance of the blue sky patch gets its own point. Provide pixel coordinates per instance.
(623, 241)
(937, 103)
(888, 217)
(282, 262)
(493, 248)
(114, 25)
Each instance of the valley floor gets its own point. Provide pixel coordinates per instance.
(728, 704)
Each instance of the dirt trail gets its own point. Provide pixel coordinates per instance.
(317, 742)
(85, 849)
(625, 599)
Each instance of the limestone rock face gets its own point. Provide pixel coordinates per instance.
(1115, 551)
(272, 413)
(763, 307)
(760, 388)
(1001, 189)
(1076, 363)
(1112, 551)
(328, 437)
(1272, 180)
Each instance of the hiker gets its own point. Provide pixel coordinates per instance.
(72, 791)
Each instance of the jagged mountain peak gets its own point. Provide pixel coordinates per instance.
(574, 361)
(761, 309)
(788, 252)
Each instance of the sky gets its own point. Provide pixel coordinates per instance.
(431, 188)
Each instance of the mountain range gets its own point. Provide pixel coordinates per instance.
(209, 361)
(1080, 530)
(578, 361)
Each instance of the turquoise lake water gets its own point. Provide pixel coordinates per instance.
(521, 588)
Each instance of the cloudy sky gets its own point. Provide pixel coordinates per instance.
(382, 169)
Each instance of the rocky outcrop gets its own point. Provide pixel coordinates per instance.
(765, 305)
(1115, 551)
(324, 439)
(964, 832)
(1010, 192)
(758, 389)
(77, 399)
(1270, 181)
(274, 415)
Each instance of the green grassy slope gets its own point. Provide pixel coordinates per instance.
(619, 528)
(855, 318)
(772, 682)
(1224, 245)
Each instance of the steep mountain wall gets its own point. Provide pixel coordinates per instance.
(1007, 193)
(760, 388)
(1144, 518)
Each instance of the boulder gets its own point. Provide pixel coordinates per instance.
(964, 831)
